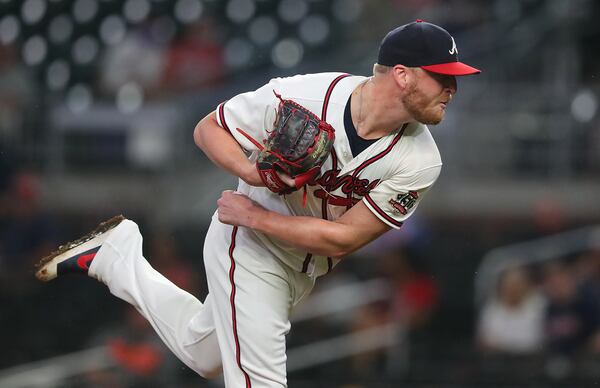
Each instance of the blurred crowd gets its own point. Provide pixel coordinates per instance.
(51, 319)
(540, 322)
(82, 54)
(550, 311)
(554, 308)
(546, 313)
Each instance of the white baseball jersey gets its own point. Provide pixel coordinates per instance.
(254, 280)
(390, 175)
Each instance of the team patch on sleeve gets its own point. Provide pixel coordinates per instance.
(403, 202)
(381, 213)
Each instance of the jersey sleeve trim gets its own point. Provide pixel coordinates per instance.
(221, 116)
(380, 213)
(328, 94)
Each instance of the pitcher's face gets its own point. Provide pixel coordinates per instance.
(428, 95)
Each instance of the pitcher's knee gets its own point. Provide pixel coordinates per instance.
(206, 361)
(209, 371)
(128, 229)
(126, 237)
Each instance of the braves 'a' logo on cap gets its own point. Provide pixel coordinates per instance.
(453, 50)
(404, 202)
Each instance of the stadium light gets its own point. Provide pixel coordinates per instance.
(263, 30)
(58, 74)
(287, 53)
(112, 30)
(32, 11)
(9, 29)
(84, 10)
(238, 53)
(314, 29)
(35, 50)
(60, 29)
(85, 49)
(292, 11)
(188, 11)
(136, 11)
(240, 11)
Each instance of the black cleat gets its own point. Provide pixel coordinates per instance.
(76, 256)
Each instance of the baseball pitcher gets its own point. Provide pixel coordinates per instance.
(326, 163)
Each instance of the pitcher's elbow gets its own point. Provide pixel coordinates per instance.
(198, 135)
(341, 250)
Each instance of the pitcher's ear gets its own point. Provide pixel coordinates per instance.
(402, 75)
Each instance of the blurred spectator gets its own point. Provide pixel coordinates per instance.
(413, 300)
(416, 293)
(587, 271)
(138, 59)
(17, 91)
(549, 216)
(140, 358)
(367, 317)
(164, 256)
(572, 315)
(593, 156)
(513, 320)
(28, 234)
(7, 167)
(195, 60)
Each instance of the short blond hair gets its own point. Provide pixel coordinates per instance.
(381, 69)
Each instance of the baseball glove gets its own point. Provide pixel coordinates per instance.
(298, 145)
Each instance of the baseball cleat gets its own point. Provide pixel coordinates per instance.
(76, 256)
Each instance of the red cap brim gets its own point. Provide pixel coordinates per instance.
(452, 68)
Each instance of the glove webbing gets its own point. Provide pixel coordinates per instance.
(261, 147)
(325, 128)
(321, 127)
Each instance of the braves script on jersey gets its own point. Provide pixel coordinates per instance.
(390, 175)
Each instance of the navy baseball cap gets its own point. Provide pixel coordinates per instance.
(424, 45)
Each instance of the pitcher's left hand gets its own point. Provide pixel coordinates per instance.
(237, 209)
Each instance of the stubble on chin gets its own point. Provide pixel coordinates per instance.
(428, 117)
(431, 118)
(419, 108)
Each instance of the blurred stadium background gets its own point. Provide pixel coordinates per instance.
(495, 282)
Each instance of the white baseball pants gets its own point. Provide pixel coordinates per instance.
(241, 326)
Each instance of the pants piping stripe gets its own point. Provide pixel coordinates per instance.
(238, 353)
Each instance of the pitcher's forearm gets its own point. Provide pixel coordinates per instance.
(315, 235)
(357, 227)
